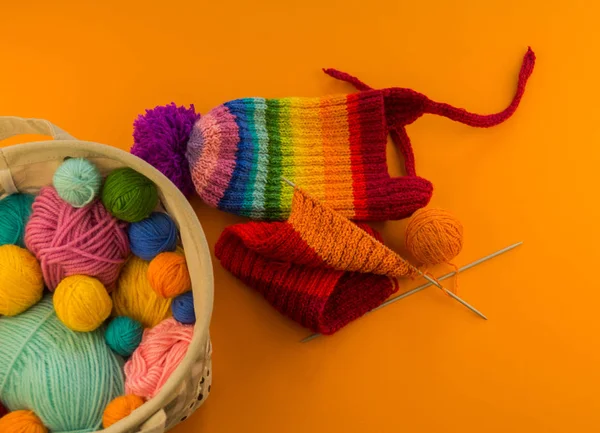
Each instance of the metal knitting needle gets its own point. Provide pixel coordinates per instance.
(427, 277)
(424, 286)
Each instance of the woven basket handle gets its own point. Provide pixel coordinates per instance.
(11, 126)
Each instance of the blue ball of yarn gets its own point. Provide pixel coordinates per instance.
(124, 335)
(183, 308)
(152, 236)
(65, 377)
(14, 214)
(77, 181)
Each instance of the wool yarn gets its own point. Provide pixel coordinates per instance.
(183, 308)
(3, 410)
(21, 283)
(161, 138)
(334, 146)
(129, 195)
(77, 181)
(14, 214)
(168, 274)
(66, 378)
(123, 335)
(434, 236)
(75, 241)
(135, 298)
(153, 235)
(22, 421)
(162, 349)
(82, 303)
(121, 407)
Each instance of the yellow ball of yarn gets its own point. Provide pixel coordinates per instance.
(434, 236)
(21, 281)
(168, 274)
(119, 408)
(82, 303)
(21, 421)
(134, 297)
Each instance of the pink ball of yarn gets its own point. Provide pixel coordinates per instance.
(75, 241)
(160, 352)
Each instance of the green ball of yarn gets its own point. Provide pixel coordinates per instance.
(14, 214)
(65, 377)
(77, 181)
(124, 335)
(129, 195)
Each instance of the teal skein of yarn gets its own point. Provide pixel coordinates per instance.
(124, 335)
(65, 377)
(14, 214)
(77, 181)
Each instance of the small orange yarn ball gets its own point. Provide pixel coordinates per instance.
(434, 236)
(168, 274)
(22, 421)
(120, 408)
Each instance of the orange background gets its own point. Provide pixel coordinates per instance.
(424, 364)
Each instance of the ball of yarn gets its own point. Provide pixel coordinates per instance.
(162, 349)
(434, 236)
(123, 335)
(21, 283)
(66, 378)
(77, 181)
(160, 138)
(135, 298)
(14, 214)
(183, 308)
(168, 274)
(121, 407)
(129, 195)
(22, 421)
(75, 241)
(153, 235)
(3, 410)
(82, 303)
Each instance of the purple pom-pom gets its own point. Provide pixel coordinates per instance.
(160, 138)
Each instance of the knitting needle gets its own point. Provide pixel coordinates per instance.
(424, 286)
(424, 275)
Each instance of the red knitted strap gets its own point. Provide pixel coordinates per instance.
(400, 137)
(339, 75)
(485, 121)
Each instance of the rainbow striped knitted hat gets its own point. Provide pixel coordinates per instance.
(236, 155)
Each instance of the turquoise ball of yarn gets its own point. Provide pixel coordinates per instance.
(182, 308)
(152, 236)
(77, 181)
(124, 335)
(65, 377)
(14, 214)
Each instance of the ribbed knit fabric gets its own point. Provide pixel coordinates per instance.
(333, 146)
(317, 268)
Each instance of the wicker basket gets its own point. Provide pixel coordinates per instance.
(27, 167)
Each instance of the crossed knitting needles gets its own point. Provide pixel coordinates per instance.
(404, 262)
(424, 286)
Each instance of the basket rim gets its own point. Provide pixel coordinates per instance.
(192, 236)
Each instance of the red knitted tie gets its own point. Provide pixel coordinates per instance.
(404, 106)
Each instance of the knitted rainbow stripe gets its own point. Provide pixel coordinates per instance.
(235, 156)
(335, 146)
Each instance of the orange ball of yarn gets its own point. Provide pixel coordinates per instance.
(120, 408)
(22, 421)
(434, 236)
(168, 274)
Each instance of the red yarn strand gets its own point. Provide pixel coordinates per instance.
(485, 121)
